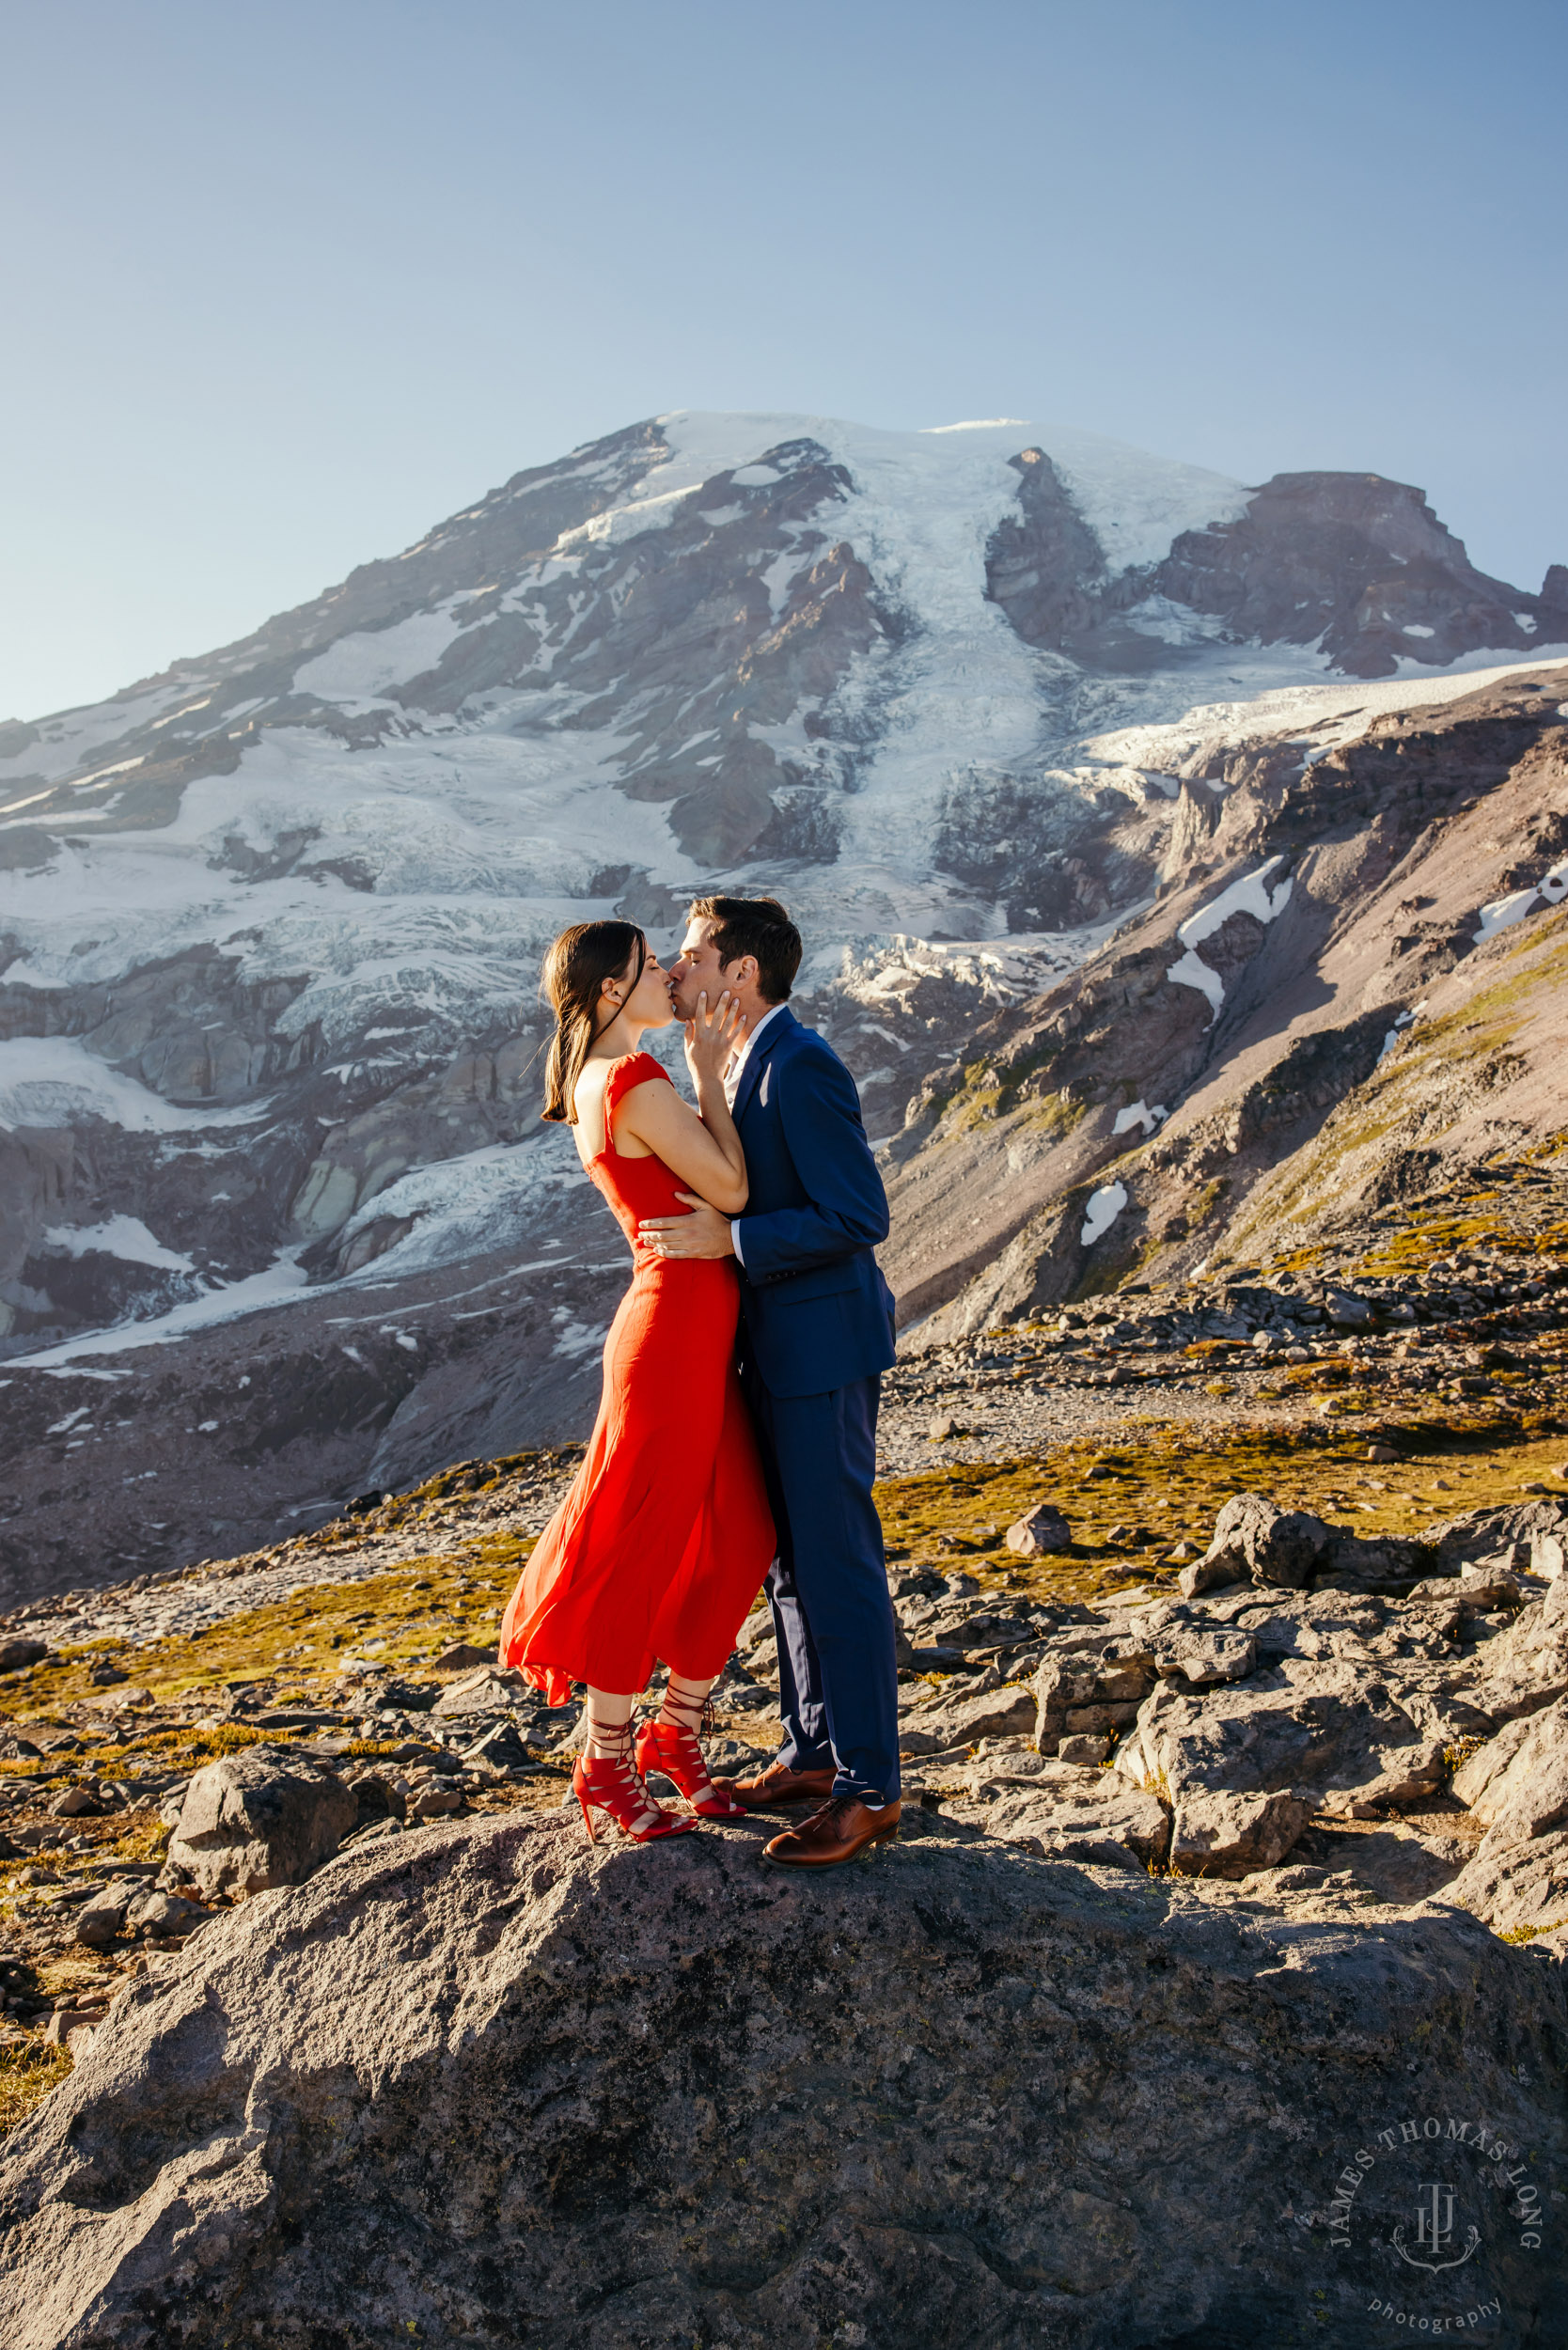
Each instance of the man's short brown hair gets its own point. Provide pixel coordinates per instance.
(754, 926)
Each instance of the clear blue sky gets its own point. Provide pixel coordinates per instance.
(285, 283)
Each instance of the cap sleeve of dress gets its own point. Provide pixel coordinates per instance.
(636, 1070)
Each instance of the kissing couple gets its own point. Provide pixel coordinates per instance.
(736, 1437)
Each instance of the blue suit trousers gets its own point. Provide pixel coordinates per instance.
(838, 1681)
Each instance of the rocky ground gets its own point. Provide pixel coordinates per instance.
(1243, 1598)
(480, 2082)
(1452, 1302)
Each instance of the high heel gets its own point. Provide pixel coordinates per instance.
(665, 1746)
(613, 1784)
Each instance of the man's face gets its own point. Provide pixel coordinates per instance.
(695, 969)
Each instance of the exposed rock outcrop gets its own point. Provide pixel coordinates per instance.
(259, 1818)
(486, 2079)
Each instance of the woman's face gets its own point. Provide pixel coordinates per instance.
(646, 1004)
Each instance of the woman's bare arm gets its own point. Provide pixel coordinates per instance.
(702, 1148)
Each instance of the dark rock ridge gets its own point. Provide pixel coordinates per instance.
(1352, 563)
(486, 2082)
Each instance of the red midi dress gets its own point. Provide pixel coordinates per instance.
(660, 1547)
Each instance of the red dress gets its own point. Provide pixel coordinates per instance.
(661, 1544)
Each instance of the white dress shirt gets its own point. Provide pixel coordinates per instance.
(732, 1076)
(736, 1069)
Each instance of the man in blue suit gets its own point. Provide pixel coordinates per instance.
(817, 1334)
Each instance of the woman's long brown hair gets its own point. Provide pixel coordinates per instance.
(575, 969)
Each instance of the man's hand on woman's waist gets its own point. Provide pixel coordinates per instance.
(703, 1233)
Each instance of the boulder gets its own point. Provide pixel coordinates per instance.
(1088, 1691)
(1213, 1833)
(1548, 1553)
(488, 1689)
(1327, 1729)
(1084, 1746)
(262, 1817)
(1498, 1534)
(15, 1654)
(487, 2078)
(435, 1802)
(1528, 1793)
(1518, 1875)
(1073, 1814)
(1206, 1658)
(1254, 1537)
(156, 1915)
(1210, 1573)
(1388, 1562)
(99, 1919)
(1516, 1886)
(958, 1721)
(1526, 1666)
(462, 1657)
(1040, 1531)
(1484, 1586)
(1476, 1773)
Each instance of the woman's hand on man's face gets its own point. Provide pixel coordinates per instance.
(713, 1036)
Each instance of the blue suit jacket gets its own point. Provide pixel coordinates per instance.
(817, 1313)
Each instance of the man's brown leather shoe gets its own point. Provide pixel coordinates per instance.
(778, 1784)
(836, 1833)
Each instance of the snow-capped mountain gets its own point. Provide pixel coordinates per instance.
(271, 922)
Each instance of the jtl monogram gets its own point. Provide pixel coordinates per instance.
(1435, 2230)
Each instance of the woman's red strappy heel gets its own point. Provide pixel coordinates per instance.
(665, 1746)
(613, 1784)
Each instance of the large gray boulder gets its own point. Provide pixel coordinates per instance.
(1215, 1833)
(1518, 1785)
(1089, 1688)
(1527, 1666)
(1506, 1535)
(1254, 1537)
(262, 1817)
(1254, 1540)
(1203, 1659)
(1308, 1732)
(488, 2084)
(959, 1720)
(1072, 1813)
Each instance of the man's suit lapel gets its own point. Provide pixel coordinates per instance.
(751, 1076)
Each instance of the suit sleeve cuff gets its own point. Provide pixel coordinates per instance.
(735, 1240)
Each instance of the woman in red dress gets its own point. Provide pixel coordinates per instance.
(660, 1547)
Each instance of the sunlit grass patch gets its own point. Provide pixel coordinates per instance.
(26, 2076)
(1170, 1486)
(411, 1612)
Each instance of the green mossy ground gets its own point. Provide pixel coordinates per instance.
(1162, 1485)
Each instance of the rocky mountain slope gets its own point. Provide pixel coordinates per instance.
(276, 1219)
(1348, 991)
